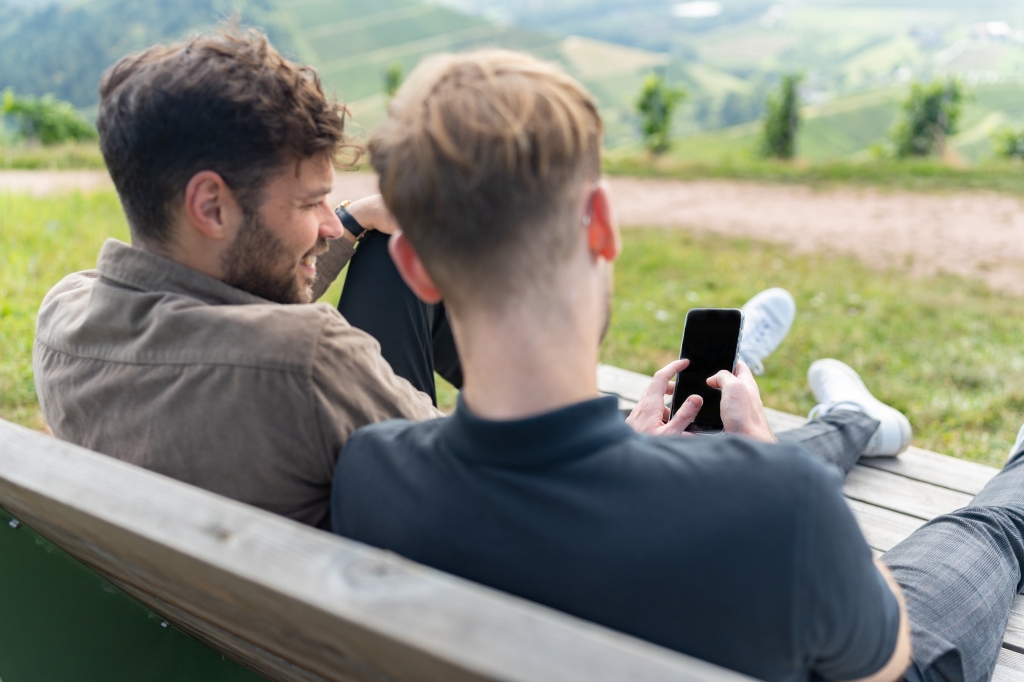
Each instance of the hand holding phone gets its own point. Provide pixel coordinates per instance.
(711, 342)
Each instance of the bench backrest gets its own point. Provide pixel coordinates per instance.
(294, 603)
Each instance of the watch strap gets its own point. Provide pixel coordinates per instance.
(348, 220)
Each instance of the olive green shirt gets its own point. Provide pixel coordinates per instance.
(159, 365)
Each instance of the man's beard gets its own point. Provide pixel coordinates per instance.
(258, 262)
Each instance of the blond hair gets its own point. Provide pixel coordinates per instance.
(481, 159)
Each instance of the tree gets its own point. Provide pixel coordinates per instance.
(656, 105)
(783, 119)
(930, 115)
(46, 119)
(392, 80)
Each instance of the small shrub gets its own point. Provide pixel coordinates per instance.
(47, 120)
(930, 115)
(1009, 144)
(656, 105)
(392, 80)
(780, 126)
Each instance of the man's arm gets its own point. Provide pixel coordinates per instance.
(372, 214)
(900, 659)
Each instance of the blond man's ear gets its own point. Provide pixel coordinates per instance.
(603, 237)
(410, 267)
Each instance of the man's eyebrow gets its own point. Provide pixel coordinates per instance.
(326, 189)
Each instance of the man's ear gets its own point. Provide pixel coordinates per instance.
(410, 267)
(603, 238)
(210, 206)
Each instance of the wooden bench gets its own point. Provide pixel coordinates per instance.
(297, 604)
(890, 497)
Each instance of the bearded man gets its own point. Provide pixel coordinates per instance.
(175, 353)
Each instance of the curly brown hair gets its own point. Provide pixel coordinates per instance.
(226, 102)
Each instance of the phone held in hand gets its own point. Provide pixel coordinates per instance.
(711, 342)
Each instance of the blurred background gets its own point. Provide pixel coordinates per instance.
(857, 58)
(864, 154)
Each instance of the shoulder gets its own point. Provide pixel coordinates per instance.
(73, 286)
(771, 472)
(393, 436)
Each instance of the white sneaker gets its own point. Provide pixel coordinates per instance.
(837, 386)
(1019, 445)
(766, 320)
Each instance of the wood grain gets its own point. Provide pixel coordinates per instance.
(883, 528)
(931, 467)
(295, 603)
(900, 494)
(1009, 667)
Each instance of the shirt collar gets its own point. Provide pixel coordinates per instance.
(565, 434)
(138, 269)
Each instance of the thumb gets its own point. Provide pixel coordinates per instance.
(722, 379)
(743, 372)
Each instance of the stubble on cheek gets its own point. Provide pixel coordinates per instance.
(258, 262)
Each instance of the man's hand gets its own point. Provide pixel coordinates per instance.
(650, 415)
(742, 411)
(373, 214)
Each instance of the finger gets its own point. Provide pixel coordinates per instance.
(671, 369)
(743, 372)
(722, 379)
(686, 413)
(659, 383)
(671, 388)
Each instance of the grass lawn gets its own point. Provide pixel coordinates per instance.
(84, 155)
(946, 351)
(925, 175)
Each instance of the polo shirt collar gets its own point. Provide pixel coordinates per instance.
(145, 271)
(568, 433)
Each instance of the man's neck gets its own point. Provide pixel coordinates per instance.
(521, 364)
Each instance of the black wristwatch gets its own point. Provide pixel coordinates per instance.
(348, 220)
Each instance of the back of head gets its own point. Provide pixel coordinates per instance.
(482, 160)
(226, 102)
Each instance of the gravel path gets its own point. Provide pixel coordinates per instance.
(975, 234)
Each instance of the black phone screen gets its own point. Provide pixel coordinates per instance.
(711, 339)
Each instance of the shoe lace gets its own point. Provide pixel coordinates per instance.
(755, 345)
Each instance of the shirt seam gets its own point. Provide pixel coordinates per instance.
(173, 363)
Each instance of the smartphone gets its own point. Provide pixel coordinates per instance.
(711, 341)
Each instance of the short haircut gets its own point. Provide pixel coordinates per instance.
(481, 161)
(226, 102)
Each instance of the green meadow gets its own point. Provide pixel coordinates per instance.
(944, 350)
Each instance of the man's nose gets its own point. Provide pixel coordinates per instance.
(330, 227)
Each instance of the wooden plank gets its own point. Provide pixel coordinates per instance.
(883, 528)
(783, 421)
(1014, 637)
(621, 382)
(1009, 667)
(289, 596)
(931, 467)
(900, 494)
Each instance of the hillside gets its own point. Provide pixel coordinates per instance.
(63, 49)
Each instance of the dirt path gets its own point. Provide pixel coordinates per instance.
(976, 234)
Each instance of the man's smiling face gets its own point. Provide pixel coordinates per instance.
(274, 253)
